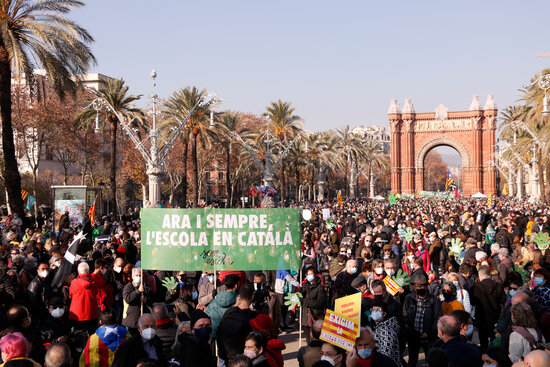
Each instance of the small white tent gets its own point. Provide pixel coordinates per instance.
(378, 198)
(479, 195)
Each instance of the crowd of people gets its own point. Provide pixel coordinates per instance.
(473, 290)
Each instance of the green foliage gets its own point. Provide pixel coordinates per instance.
(170, 284)
(402, 278)
(521, 270)
(293, 300)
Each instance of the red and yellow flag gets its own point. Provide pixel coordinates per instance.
(339, 198)
(490, 201)
(91, 212)
(24, 194)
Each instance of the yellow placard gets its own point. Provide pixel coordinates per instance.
(350, 307)
(339, 330)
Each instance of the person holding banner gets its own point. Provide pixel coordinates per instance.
(314, 301)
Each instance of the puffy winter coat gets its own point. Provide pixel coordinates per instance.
(218, 306)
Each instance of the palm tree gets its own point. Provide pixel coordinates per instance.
(348, 145)
(115, 92)
(321, 154)
(178, 107)
(36, 34)
(284, 125)
(227, 124)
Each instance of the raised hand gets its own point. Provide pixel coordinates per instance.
(542, 239)
(409, 235)
(402, 278)
(170, 284)
(392, 199)
(293, 300)
(456, 247)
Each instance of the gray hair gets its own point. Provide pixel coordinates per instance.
(160, 311)
(30, 261)
(83, 268)
(58, 355)
(367, 329)
(136, 271)
(143, 317)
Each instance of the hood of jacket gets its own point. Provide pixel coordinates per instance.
(85, 280)
(226, 298)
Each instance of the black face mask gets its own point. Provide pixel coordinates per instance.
(379, 298)
(421, 292)
(448, 296)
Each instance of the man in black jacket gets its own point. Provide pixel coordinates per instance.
(166, 329)
(488, 297)
(142, 346)
(235, 324)
(421, 310)
(460, 353)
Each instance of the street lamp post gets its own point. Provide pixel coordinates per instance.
(154, 158)
(543, 82)
(268, 169)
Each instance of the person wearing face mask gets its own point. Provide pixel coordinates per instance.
(421, 311)
(266, 301)
(56, 324)
(207, 291)
(378, 269)
(334, 355)
(186, 302)
(365, 354)
(134, 294)
(342, 284)
(450, 303)
(104, 290)
(386, 330)
(194, 349)
(253, 349)
(462, 295)
(541, 288)
(407, 262)
(142, 346)
(466, 324)
(314, 301)
(40, 292)
(460, 353)
(104, 343)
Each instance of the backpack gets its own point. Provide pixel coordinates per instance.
(535, 344)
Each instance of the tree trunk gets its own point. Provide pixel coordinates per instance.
(541, 177)
(547, 168)
(114, 127)
(12, 178)
(195, 170)
(283, 181)
(228, 179)
(184, 178)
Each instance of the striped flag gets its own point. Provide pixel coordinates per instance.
(339, 198)
(449, 180)
(91, 212)
(490, 201)
(24, 194)
(101, 346)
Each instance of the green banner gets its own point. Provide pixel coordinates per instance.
(221, 239)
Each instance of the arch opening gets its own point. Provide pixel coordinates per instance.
(437, 162)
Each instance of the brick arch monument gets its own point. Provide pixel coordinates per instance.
(471, 133)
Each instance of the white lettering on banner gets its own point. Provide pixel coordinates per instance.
(336, 340)
(341, 321)
(219, 238)
(235, 221)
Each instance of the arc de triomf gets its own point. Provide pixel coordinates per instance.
(471, 133)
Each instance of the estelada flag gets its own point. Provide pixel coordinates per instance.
(339, 198)
(24, 194)
(91, 212)
(101, 346)
(449, 179)
(490, 201)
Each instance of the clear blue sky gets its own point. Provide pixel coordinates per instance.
(338, 62)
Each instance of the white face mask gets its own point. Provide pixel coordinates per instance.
(58, 313)
(57, 264)
(148, 333)
(249, 353)
(137, 280)
(117, 269)
(411, 258)
(390, 272)
(328, 359)
(43, 273)
(103, 271)
(379, 271)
